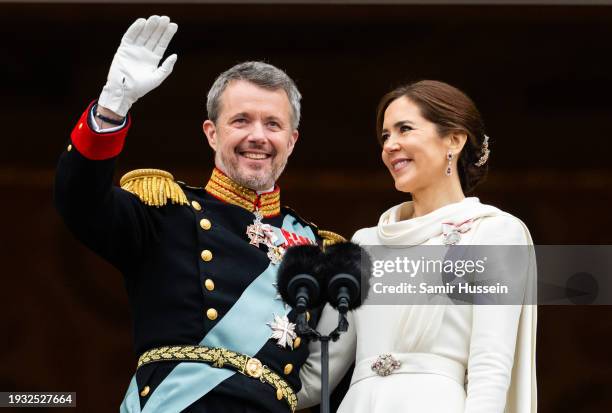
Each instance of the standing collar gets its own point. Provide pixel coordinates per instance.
(225, 189)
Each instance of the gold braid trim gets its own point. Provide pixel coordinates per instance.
(330, 238)
(222, 187)
(224, 181)
(154, 187)
(223, 358)
(228, 196)
(270, 210)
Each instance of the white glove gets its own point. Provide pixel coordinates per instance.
(134, 71)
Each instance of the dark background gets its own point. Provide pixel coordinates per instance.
(541, 76)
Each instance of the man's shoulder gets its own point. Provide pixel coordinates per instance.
(154, 187)
(286, 210)
(327, 237)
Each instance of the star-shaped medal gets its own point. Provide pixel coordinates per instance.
(283, 331)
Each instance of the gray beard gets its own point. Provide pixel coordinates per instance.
(254, 182)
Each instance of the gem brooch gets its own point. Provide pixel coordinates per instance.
(451, 232)
(385, 364)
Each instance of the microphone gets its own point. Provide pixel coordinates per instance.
(299, 280)
(308, 277)
(347, 268)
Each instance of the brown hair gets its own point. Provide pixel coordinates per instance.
(450, 110)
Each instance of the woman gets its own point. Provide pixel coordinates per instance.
(435, 358)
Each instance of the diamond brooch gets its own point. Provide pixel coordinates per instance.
(385, 364)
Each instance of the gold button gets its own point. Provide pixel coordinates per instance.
(196, 205)
(145, 391)
(69, 148)
(279, 394)
(206, 255)
(297, 342)
(205, 224)
(211, 313)
(288, 369)
(81, 125)
(307, 316)
(209, 284)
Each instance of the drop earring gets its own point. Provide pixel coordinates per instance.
(449, 156)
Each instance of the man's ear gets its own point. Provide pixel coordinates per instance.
(292, 140)
(210, 130)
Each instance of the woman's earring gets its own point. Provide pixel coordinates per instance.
(449, 156)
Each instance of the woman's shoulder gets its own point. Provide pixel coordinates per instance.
(502, 228)
(365, 236)
(369, 235)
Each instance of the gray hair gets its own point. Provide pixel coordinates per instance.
(261, 74)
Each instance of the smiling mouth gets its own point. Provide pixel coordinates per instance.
(257, 156)
(400, 164)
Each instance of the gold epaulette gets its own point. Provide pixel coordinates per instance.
(330, 238)
(154, 187)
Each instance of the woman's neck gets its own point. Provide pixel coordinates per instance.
(434, 197)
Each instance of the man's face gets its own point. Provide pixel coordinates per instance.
(253, 136)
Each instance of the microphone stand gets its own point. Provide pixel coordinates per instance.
(304, 330)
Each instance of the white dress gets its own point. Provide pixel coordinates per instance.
(454, 358)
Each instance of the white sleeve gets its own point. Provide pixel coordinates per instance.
(494, 329)
(341, 356)
(96, 128)
(493, 339)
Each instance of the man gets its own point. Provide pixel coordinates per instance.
(199, 263)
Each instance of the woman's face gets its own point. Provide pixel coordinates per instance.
(413, 151)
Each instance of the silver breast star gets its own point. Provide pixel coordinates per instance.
(283, 331)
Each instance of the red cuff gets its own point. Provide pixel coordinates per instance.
(97, 146)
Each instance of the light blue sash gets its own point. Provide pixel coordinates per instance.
(243, 329)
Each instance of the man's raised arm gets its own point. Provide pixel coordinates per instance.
(109, 220)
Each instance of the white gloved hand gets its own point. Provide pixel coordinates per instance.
(134, 71)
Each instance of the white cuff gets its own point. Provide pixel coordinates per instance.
(96, 128)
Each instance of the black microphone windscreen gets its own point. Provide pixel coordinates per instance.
(348, 258)
(301, 259)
